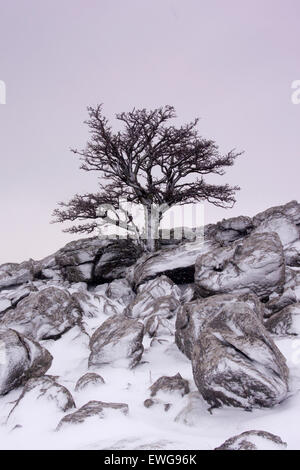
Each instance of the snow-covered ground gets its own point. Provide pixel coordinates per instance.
(143, 428)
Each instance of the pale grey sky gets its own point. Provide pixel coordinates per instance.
(229, 62)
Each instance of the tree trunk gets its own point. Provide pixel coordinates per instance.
(152, 224)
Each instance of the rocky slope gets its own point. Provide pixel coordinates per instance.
(167, 350)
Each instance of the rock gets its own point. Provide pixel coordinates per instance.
(279, 302)
(236, 363)
(292, 254)
(253, 440)
(13, 274)
(20, 360)
(159, 296)
(188, 293)
(286, 321)
(229, 230)
(117, 339)
(114, 260)
(192, 316)
(157, 325)
(255, 264)
(177, 263)
(89, 379)
(95, 260)
(120, 290)
(40, 403)
(47, 389)
(91, 409)
(91, 304)
(170, 384)
(285, 228)
(290, 210)
(46, 314)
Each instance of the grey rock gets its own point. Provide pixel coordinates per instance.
(20, 360)
(45, 314)
(120, 289)
(229, 230)
(95, 260)
(253, 440)
(279, 302)
(236, 363)
(192, 316)
(176, 263)
(292, 254)
(92, 409)
(170, 384)
(255, 264)
(286, 321)
(45, 389)
(13, 274)
(281, 224)
(290, 210)
(89, 379)
(157, 325)
(115, 259)
(159, 296)
(117, 339)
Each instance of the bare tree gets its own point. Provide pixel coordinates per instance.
(148, 162)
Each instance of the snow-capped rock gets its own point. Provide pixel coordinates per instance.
(290, 210)
(118, 339)
(12, 274)
(43, 396)
(170, 384)
(45, 314)
(192, 316)
(236, 363)
(229, 230)
(286, 321)
(92, 409)
(88, 379)
(253, 440)
(20, 360)
(254, 264)
(177, 263)
(159, 296)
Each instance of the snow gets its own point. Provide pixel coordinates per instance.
(194, 428)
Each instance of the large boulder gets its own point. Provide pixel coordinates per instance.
(285, 228)
(159, 296)
(255, 264)
(98, 409)
(229, 230)
(45, 314)
(13, 274)
(177, 263)
(253, 440)
(236, 363)
(192, 316)
(118, 340)
(20, 360)
(290, 210)
(96, 260)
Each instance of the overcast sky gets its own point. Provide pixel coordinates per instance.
(229, 62)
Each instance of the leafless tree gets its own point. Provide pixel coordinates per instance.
(149, 162)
